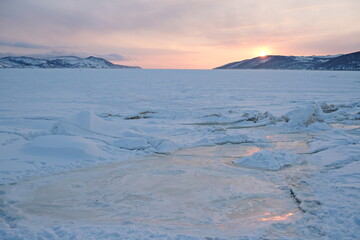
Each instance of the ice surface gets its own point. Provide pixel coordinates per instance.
(62, 146)
(303, 116)
(187, 195)
(132, 143)
(170, 154)
(268, 160)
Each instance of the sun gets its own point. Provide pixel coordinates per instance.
(263, 54)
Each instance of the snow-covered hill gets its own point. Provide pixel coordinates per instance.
(344, 62)
(332, 62)
(58, 62)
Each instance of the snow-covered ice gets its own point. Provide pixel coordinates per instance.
(268, 160)
(179, 154)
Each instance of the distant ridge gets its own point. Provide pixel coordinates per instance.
(59, 62)
(345, 62)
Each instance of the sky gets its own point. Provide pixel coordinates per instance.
(178, 34)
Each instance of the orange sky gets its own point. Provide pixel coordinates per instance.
(191, 34)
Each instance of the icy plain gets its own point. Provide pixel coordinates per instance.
(179, 154)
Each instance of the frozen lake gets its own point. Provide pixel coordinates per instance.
(192, 191)
(179, 154)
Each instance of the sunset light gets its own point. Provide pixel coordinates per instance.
(164, 34)
(173, 119)
(282, 217)
(263, 54)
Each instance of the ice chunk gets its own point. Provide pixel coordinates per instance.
(62, 146)
(235, 139)
(303, 116)
(87, 120)
(268, 160)
(166, 147)
(84, 123)
(326, 108)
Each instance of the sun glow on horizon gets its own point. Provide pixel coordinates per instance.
(263, 53)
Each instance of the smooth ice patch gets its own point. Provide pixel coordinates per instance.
(189, 192)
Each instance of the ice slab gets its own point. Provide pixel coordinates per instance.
(268, 160)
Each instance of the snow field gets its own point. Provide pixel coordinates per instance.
(167, 154)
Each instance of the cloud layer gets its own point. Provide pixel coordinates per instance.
(178, 33)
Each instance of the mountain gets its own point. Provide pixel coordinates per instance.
(59, 62)
(349, 62)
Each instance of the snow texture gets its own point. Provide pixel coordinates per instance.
(267, 160)
(179, 154)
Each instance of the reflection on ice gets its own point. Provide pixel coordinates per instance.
(292, 142)
(272, 217)
(193, 190)
(345, 126)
